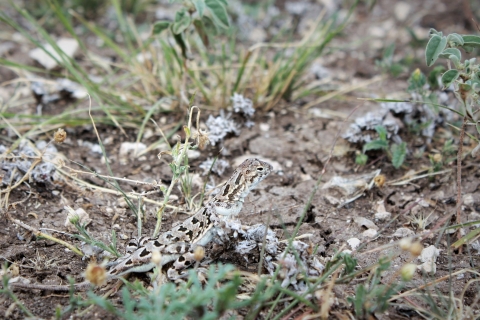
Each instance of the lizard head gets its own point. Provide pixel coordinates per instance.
(252, 172)
(229, 200)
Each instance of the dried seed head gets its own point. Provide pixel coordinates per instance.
(202, 139)
(156, 257)
(437, 158)
(96, 274)
(379, 180)
(416, 248)
(199, 253)
(405, 244)
(14, 270)
(408, 271)
(59, 136)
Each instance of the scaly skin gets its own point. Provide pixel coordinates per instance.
(178, 243)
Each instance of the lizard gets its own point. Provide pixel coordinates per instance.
(178, 243)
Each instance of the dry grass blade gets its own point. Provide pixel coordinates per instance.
(40, 234)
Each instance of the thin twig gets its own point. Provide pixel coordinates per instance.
(459, 172)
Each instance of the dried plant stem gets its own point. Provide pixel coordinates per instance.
(459, 171)
(426, 285)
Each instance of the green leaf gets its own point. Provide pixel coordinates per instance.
(466, 87)
(375, 145)
(466, 239)
(399, 152)
(360, 299)
(219, 12)
(388, 52)
(159, 26)
(209, 26)
(382, 132)
(181, 42)
(200, 6)
(455, 39)
(416, 81)
(450, 51)
(455, 61)
(435, 46)
(433, 75)
(432, 32)
(361, 159)
(182, 21)
(449, 77)
(202, 32)
(471, 40)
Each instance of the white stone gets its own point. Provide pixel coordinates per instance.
(428, 267)
(257, 35)
(130, 150)
(383, 215)
(429, 253)
(402, 9)
(193, 154)
(83, 218)
(353, 243)
(403, 232)
(364, 222)
(370, 233)
(264, 127)
(468, 200)
(67, 45)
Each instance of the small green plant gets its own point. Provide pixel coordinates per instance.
(446, 156)
(189, 300)
(5, 291)
(87, 238)
(396, 152)
(464, 76)
(373, 298)
(387, 64)
(211, 15)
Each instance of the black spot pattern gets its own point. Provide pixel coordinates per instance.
(225, 191)
(157, 244)
(181, 258)
(239, 178)
(144, 253)
(194, 220)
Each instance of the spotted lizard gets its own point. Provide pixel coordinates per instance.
(178, 244)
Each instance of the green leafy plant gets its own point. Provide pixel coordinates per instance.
(387, 64)
(446, 156)
(87, 238)
(205, 16)
(188, 300)
(5, 291)
(396, 152)
(464, 76)
(374, 297)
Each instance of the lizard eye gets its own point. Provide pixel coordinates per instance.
(260, 169)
